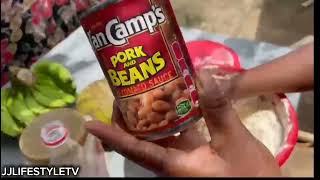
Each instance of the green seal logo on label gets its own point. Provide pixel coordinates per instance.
(183, 107)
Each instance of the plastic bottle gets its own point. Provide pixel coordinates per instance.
(60, 140)
(66, 152)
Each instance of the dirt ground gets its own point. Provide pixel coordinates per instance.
(281, 22)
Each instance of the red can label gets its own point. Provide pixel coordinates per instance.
(141, 50)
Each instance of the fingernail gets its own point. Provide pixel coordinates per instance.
(91, 124)
(87, 118)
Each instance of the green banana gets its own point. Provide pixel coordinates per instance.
(33, 105)
(55, 92)
(47, 100)
(48, 93)
(8, 124)
(73, 87)
(18, 109)
(58, 72)
(47, 86)
(45, 80)
(53, 68)
(4, 95)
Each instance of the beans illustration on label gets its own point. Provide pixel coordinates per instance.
(155, 108)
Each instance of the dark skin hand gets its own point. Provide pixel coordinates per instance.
(233, 151)
(293, 72)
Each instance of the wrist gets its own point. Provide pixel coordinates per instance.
(241, 86)
(231, 86)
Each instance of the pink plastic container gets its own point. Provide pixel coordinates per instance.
(204, 53)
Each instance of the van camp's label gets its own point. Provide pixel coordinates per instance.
(117, 33)
(140, 48)
(131, 47)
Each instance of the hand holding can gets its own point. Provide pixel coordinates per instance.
(143, 55)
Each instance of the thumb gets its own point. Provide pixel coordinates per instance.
(216, 106)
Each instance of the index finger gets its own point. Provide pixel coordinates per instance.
(146, 154)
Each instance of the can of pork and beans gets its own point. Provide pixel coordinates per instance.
(142, 53)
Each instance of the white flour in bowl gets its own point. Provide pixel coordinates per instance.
(260, 117)
(263, 117)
